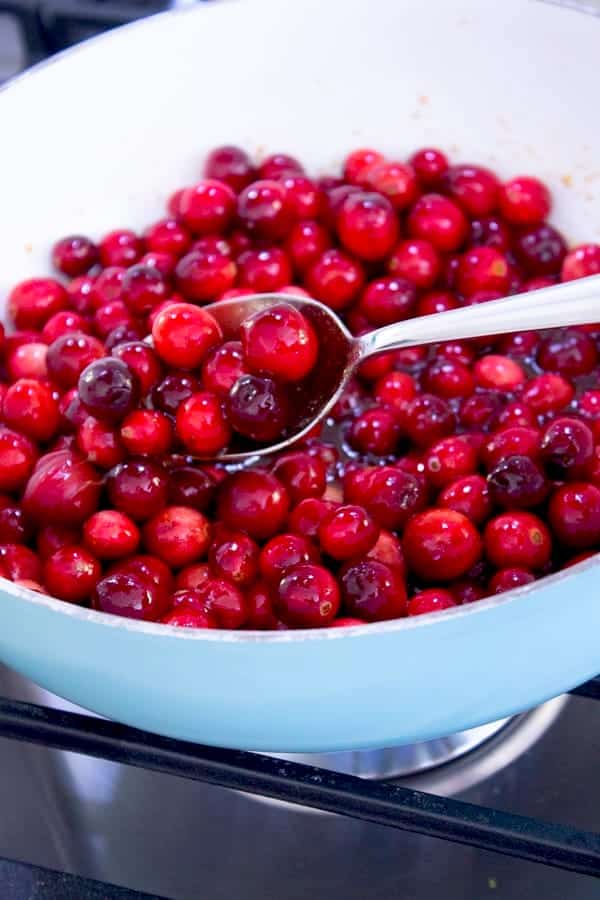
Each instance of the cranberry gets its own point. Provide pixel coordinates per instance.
(108, 389)
(372, 591)
(335, 279)
(468, 495)
(173, 390)
(278, 164)
(581, 261)
(394, 389)
(259, 607)
(516, 441)
(108, 286)
(80, 293)
(507, 579)
(31, 303)
(387, 300)
(19, 562)
(441, 544)
(435, 302)
(548, 393)
(416, 260)
(524, 201)
(448, 379)
(264, 270)
(540, 250)
(167, 236)
(71, 574)
(201, 424)
(490, 231)
(517, 539)
(438, 220)
(69, 355)
(388, 550)
(264, 209)
(567, 447)
(189, 618)
(308, 596)
(208, 207)
(349, 531)
(191, 578)
(253, 501)
(427, 419)
(306, 242)
(65, 322)
(375, 431)
(429, 165)
(143, 288)
(520, 343)
(51, 538)
(394, 180)
(574, 514)
(307, 516)
(429, 601)
(74, 255)
(303, 474)
(137, 488)
(281, 342)
(129, 595)
(230, 165)
(145, 432)
(99, 443)
(73, 413)
(222, 367)
(183, 334)
(367, 225)
(282, 553)
(483, 269)
(393, 496)
(224, 603)
(498, 372)
(191, 486)
(28, 361)
(62, 489)
(448, 459)
(358, 162)
(178, 535)
(120, 248)
(142, 362)
(205, 274)
(234, 557)
(568, 352)
(304, 197)
(109, 534)
(29, 407)
(258, 408)
(516, 482)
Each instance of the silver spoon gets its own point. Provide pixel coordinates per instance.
(574, 303)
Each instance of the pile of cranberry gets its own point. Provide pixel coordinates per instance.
(445, 474)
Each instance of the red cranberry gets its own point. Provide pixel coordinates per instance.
(31, 303)
(191, 486)
(540, 250)
(142, 362)
(308, 596)
(417, 261)
(358, 162)
(167, 236)
(62, 489)
(515, 414)
(264, 209)
(335, 279)
(222, 367)
(29, 407)
(99, 443)
(137, 488)
(367, 225)
(19, 562)
(231, 165)
(498, 372)
(108, 286)
(71, 574)
(524, 201)
(394, 389)
(307, 516)
(438, 220)
(567, 447)
(69, 355)
(208, 207)
(28, 361)
(474, 188)
(306, 242)
(74, 255)
(334, 200)
(183, 334)
(120, 248)
(507, 579)
(234, 557)
(145, 432)
(548, 393)
(427, 419)
(441, 544)
(468, 495)
(51, 538)
(520, 343)
(581, 261)
(201, 424)
(574, 514)
(349, 531)
(189, 618)
(259, 607)
(225, 603)
(173, 390)
(388, 550)
(568, 352)
(130, 596)
(372, 591)
(467, 591)
(108, 389)
(279, 163)
(280, 341)
(143, 289)
(80, 293)
(517, 441)
(429, 601)
(258, 408)
(516, 482)
(387, 300)
(282, 553)
(303, 196)
(303, 475)
(448, 459)
(483, 269)
(394, 180)
(264, 270)
(448, 379)
(435, 302)
(191, 578)
(253, 501)
(178, 535)
(517, 539)
(391, 496)
(375, 431)
(429, 165)
(109, 534)
(73, 413)
(114, 315)
(65, 322)
(490, 231)
(205, 274)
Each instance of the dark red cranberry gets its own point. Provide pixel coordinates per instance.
(224, 602)
(567, 447)
(143, 289)
(307, 516)
(569, 353)
(222, 367)
(429, 165)
(173, 390)
(574, 515)
(448, 379)
(441, 544)
(110, 534)
(490, 231)
(308, 596)
(74, 255)
(130, 596)
(19, 562)
(190, 598)
(231, 165)
(517, 539)
(427, 419)
(208, 207)
(264, 209)
(108, 286)
(80, 292)
(524, 201)
(387, 300)
(111, 316)
(540, 250)
(259, 607)
(120, 248)
(396, 181)
(516, 482)
(31, 303)
(203, 275)
(62, 490)
(142, 361)
(516, 441)
(71, 574)
(507, 579)
(581, 261)
(435, 302)
(279, 163)
(438, 220)
(258, 408)
(429, 601)
(137, 488)
(168, 236)
(69, 355)
(303, 474)
(520, 343)
(391, 496)
(234, 556)
(15, 528)
(51, 538)
(358, 162)
(467, 591)
(108, 389)
(264, 270)
(253, 501)
(191, 486)
(548, 393)
(372, 591)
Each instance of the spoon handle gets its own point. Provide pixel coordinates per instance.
(574, 303)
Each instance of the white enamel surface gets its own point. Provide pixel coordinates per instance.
(100, 137)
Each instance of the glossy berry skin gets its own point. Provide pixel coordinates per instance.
(372, 591)
(264, 270)
(258, 408)
(178, 535)
(167, 236)
(120, 248)
(483, 269)
(358, 162)
(306, 242)
(567, 447)
(191, 486)
(570, 353)
(130, 596)
(540, 250)
(71, 574)
(282, 553)
(416, 260)
(173, 390)
(28, 360)
(306, 517)
(347, 532)
(308, 596)
(548, 393)
(388, 300)
(62, 489)
(581, 261)
(259, 607)
(367, 225)
(469, 496)
(253, 501)
(335, 279)
(201, 424)
(574, 515)
(507, 579)
(99, 443)
(110, 534)
(31, 303)
(448, 459)
(183, 334)
(517, 539)
(222, 367)
(69, 355)
(279, 342)
(108, 389)
(234, 557)
(224, 603)
(231, 165)
(303, 474)
(74, 255)
(429, 601)
(146, 432)
(437, 219)
(264, 210)
(137, 488)
(30, 408)
(429, 165)
(448, 379)
(498, 372)
(277, 164)
(441, 544)
(144, 287)
(203, 275)
(188, 618)
(524, 201)
(65, 322)
(396, 181)
(142, 362)
(207, 208)
(516, 482)
(427, 419)
(375, 431)
(474, 188)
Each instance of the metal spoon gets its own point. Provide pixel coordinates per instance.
(574, 303)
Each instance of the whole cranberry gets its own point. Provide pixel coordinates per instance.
(31, 303)
(279, 163)
(190, 595)
(74, 255)
(516, 482)
(388, 300)
(229, 164)
(137, 488)
(151, 570)
(570, 353)
(142, 362)
(540, 250)
(335, 279)
(264, 270)
(183, 334)
(468, 495)
(28, 360)
(448, 459)
(203, 275)
(167, 236)
(253, 501)
(208, 207)
(520, 343)
(80, 293)
(51, 538)
(222, 367)
(429, 601)
(524, 201)
(567, 447)
(131, 596)
(427, 419)
(548, 393)
(120, 248)
(307, 516)
(388, 550)
(349, 531)
(282, 553)
(15, 528)
(303, 474)
(305, 243)
(113, 315)
(375, 431)
(143, 288)
(62, 489)
(99, 443)
(71, 574)
(358, 162)
(394, 389)
(279, 341)
(146, 432)
(69, 355)
(65, 322)
(259, 607)
(574, 514)
(448, 379)
(108, 389)
(372, 591)
(467, 591)
(429, 165)
(201, 424)
(517, 441)
(304, 196)
(437, 219)
(434, 302)
(264, 210)
(178, 535)
(441, 544)
(107, 287)
(30, 407)
(490, 231)
(258, 408)
(474, 188)
(234, 556)
(308, 596)
(173, 390)
(507, 579)
(396, 181)
(110, 534)
(416, 260)
(18, 562)
(581, 261)
(517, 539)
(367, 225)
(224, 602)
(189, 618)
(191, 486)
(482, 269)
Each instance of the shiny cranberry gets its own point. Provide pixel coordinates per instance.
(19, 562)
(516, 441)
(474, 188)
(167, 236)
(69, 355)
(146, 432)
(80, 293)
(204, 275)
(258, 408)
(31, 303)
(483, 269)
(581, 261)
(137, 488)
(429, 165)
(51, 538)
(588, 404)
(435, 302)
(99, 443)
(567, 447)
(358, 162)
(189, 618)
(367, 225)
(30, 407)
(574, 514)
(524, 201)
(65, 322)
(540, 250)
(394, 180)
(548, 393)
(569, 353)
(234, 556)
(231, 165)
(73, 413)
(387, 300)
(62, 489)
(306, 242)
(303, 475)
(448, 379)
(519, 343)
(183, 334)
(467, 591)
(259, 607)
(333, 202)
(516, 482)
(416, 260)
(372, 591)
(468, 495)
(507, 579)
(349, 531)
(430, 601)
(173, 390)
(517, 539)
(130, 596)
(71, 574)
(441, 544)
(264, 209)
(208, 207)
(108, 389)
(163, 263)
(110, 534)
(448, 459)
(178, 535)
(191, 578)
(282, 553)
(335, 279)
(388, 550)
(375, 431)
(191, 486)
(74, 255)
(391, 496)
(224, 603)
(308, 596)
(438, 220)
(280, 341)
(253, 501)
(278, 164)
(498, 372)
(120, 248)
(201, 424)
(307, 516)
(28, 361)
(142, 362)
(108, 286)
(304, 197)
(222, 367)
(394, 389)
(114, 315)
(490, 231)
(264, 270)
(427, 419)
(143, 289)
